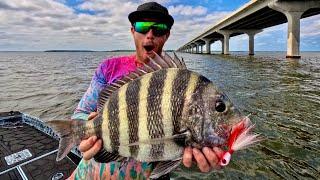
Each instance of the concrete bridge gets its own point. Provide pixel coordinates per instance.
(251, 19)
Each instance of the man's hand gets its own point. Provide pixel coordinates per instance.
(206, 159)
(91, 146)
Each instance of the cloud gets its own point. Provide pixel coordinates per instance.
(103, 24)
(52, 23)
(187, 10)
(310, 26)
(186, 28)
(45, 24)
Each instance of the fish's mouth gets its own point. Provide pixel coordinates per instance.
(219, 136)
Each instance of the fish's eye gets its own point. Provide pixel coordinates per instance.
(220, 106)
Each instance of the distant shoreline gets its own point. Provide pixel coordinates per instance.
(134, 51)
(69, 51)
(95, 51)
(85, 51)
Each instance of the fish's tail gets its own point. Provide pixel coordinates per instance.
(68, 133)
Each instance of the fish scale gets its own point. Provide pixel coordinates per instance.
(152, 114)
(152, 123)
(113, 125)
(180, 88)
(133, 108)
(155, 117)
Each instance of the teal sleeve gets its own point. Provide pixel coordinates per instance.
(80, 115)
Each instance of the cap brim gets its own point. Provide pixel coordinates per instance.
(141, 15)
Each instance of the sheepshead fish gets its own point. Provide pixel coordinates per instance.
(154, 112)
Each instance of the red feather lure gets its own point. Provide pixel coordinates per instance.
(240, 138)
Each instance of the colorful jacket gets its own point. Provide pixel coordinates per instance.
(107, 72)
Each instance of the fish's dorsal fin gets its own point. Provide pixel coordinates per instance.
(153, 65)
(174, 62)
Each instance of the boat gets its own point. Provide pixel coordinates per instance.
(28, 149)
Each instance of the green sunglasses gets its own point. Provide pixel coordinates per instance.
(158, 29)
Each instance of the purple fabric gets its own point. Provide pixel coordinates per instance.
(107, 72)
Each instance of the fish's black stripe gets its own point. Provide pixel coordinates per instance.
(132, 100)
(97, 125)
(155, 91)
(180, 85)
(198, 99)
(202, 83)
(157, 151)
(113, 108)
(154, 119)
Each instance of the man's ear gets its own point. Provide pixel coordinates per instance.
(132, 30)
(167, 35)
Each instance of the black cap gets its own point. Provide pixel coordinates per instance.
(151, 10)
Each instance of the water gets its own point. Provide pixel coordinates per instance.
(282, 96)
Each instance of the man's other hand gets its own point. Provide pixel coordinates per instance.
(206, 159)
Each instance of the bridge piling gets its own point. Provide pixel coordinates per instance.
(226, 38)
(251, 44)
(222, 46)
(293, 10)
(192, 48)
(293, 37)
(226, 44)
(208, 48)
(197, 48)
(255, 16)
(251, 34)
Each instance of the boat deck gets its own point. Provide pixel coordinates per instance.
(28, 150)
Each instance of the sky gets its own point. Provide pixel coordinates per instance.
(38, 25)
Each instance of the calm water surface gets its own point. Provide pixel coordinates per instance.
(282, 96)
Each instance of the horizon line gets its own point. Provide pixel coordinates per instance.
(120, 50)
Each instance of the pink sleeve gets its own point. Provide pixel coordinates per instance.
(88, 102)
(107, 72)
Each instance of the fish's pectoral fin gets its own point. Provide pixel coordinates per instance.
(182, 138)
(103, 156)
(164, 167)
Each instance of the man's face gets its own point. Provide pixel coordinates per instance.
(146, 43)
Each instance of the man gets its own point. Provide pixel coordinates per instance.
(151, 25)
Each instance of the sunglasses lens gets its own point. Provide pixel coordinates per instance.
(159, 29)
(142, 27)
(159, 32)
